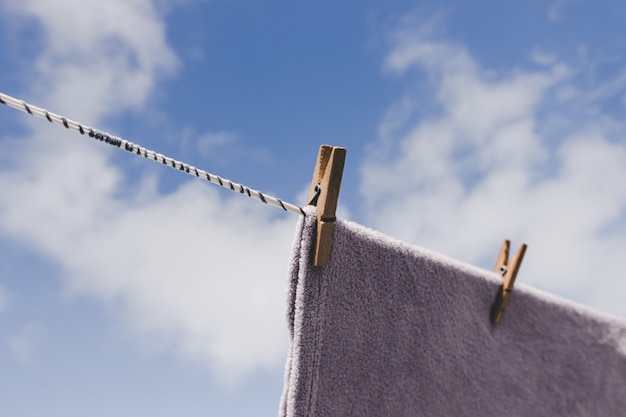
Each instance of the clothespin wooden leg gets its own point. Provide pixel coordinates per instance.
(324, 193)
(509, 274)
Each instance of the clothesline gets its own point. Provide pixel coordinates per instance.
(146, 153)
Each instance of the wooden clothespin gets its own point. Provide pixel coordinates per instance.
(324, 193)
(509, 273)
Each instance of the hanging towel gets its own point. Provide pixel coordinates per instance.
(389, 329)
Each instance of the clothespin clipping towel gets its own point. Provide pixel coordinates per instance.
(324, 193)
(509, 273)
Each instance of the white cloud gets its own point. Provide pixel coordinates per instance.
(190, 272)
(97, 57)
(482, 169)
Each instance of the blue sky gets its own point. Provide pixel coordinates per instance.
(126, 288)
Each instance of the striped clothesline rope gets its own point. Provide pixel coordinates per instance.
(146, 153)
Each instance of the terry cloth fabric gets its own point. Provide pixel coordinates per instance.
(389, 329)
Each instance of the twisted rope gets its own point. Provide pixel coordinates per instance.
(146, 153)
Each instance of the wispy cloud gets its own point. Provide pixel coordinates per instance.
(555, 12)
(501, 157)
(4, 298)
(24, 344)
(206, 144)
(190, 272)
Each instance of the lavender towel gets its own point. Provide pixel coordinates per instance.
(388, 329)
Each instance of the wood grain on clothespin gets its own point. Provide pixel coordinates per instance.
(509, 273)
(324, 194)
